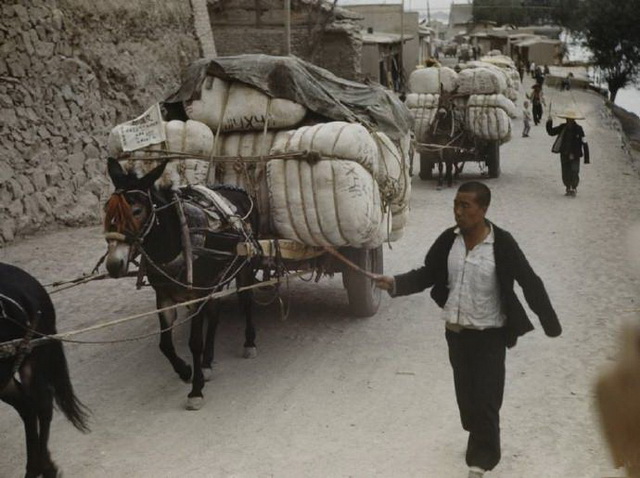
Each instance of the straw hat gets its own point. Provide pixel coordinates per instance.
(570, 114)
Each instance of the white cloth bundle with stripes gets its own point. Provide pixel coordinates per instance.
(250, 175)
(333, 140)
(423, 108)
(331, 202)
(234, 106)
(488, 117)
(483, 80)
(191, 137)
(430, 80)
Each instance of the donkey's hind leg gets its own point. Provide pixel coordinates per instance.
(15, 395)
(246, 302)
(194, 401)
(167, 318)
(213, 312)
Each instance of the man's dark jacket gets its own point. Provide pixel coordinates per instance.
(511, 265)
(570, 140)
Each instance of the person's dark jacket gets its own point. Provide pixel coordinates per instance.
(571, 142)
(511, 265)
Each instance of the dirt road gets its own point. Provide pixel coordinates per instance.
(334, 396)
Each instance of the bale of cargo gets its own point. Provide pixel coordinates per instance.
(432, 80)
(333, 140)
(326, 203)
(493, 101)
(247, 174)
(423, 109)
(487, 122)
(190, 137)
(234, 106)
(485, 81)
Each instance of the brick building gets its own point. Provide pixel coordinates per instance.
(322, 33)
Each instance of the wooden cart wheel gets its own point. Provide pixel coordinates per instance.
(364, 296)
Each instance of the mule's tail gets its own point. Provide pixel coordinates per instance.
(58, 377)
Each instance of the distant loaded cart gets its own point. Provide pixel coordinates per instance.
(462, 115)
(325, 160)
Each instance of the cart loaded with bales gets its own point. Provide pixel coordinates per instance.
(325, 160)
(463, 115)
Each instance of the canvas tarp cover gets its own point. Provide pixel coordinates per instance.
(294, 79)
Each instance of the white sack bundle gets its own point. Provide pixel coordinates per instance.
(493, 101)
(429, 80)
(333, 140)
(190, 137)
(484, 81)
(489, 123)
(250, 175)
(328, 203)
(398, 224)
(423, 108)
(239, 107)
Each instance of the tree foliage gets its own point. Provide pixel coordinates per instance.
(611, 33)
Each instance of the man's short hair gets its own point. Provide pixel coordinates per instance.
(482, 192)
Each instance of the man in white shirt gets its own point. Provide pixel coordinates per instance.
(472, 268)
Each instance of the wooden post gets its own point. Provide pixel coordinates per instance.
(186, 241)
(287, 26)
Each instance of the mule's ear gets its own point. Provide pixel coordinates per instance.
(152, 176)
(116, 173)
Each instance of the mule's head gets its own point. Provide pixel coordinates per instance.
(128, 215)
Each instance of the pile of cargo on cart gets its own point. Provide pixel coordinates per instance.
(325, 159)
(463, 114)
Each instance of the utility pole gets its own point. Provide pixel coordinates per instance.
(401, 44)
(287, 26)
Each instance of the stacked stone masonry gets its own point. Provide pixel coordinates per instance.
(69, 71)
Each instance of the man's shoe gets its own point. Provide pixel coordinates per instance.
(567, 192)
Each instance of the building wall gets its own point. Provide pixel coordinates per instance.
(243, 26)
(388, 19)
(70, 70)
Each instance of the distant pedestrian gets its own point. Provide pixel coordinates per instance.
(539, 76)
(526, 119)
(532, 69)
(471, 269)
(572, 145)
(537, 101)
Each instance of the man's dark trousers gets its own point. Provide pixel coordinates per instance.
(570, 171)
(478, 361)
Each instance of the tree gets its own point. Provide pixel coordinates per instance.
(611, 33)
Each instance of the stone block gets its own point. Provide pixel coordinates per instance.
(8, 117)
(76, 162)
(28, 45)
(25, 183)
(46, 49)
(21, 12)
(53, 175)
(6, 172)
(39, 180)
(43, 203)
(90, 151)
(7, 228)
(16, 208)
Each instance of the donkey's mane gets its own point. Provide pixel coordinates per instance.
(118, 215)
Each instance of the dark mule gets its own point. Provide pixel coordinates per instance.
(141, 218)
(43, 373)
(446, 129)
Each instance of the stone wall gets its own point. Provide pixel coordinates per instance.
(69, 71)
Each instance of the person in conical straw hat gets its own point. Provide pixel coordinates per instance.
(572, 145)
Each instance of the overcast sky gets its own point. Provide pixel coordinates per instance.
(434, 5)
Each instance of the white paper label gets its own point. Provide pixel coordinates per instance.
(143, 131)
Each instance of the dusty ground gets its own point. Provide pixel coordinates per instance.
(334, 396)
